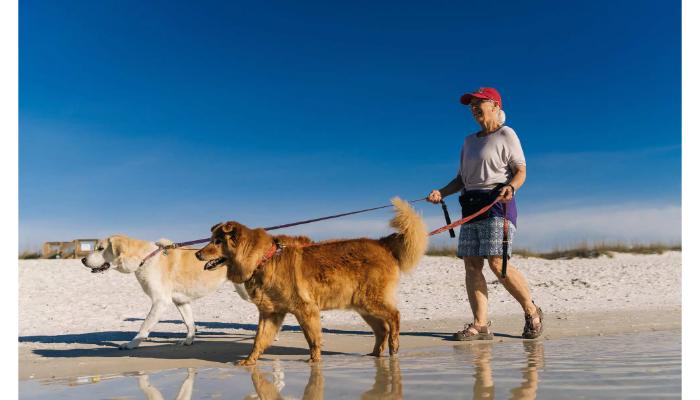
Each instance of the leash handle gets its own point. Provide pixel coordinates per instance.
(504, 266)
(447, 217)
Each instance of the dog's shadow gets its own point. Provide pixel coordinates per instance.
(106, 338)
(296, 328)
(205, 350)
(208, 350)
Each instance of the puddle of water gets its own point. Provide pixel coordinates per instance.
(623, 366)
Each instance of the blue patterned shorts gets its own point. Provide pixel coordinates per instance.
(484, 238)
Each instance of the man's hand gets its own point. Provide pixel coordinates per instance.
(435, 197)
(507, 193)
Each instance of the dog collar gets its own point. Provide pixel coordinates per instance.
(273, 251)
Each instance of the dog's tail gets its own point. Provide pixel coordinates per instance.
(162, 242)
(409, 243)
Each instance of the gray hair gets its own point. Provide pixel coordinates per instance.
(501, 117)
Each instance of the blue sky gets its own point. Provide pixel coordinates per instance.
(158, 119)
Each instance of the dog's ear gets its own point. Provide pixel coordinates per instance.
(213, 228)
(228, 227)
(116, 246)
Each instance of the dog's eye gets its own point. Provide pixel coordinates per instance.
(217, 241)
(100, 248)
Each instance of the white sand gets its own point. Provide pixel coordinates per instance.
(59, 297)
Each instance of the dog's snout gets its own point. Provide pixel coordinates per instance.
(199, 255)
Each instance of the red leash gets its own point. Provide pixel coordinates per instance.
(465, 219)
(308, 221)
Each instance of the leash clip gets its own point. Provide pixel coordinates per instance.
(279, 245)
(168, 247)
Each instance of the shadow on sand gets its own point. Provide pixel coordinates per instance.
(205, 350)
(107, 337)
(294, 328)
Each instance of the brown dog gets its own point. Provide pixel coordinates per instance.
(356, 274)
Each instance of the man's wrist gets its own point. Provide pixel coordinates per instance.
(511, 187)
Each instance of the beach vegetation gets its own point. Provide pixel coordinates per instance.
(29, 255)
(582, 250)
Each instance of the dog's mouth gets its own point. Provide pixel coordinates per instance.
(101, 268)
(212, 264)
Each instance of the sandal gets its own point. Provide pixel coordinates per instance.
(473, 332)
(532, 330)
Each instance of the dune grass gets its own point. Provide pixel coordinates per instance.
(29, 255)
(445, 251)
(583, 250)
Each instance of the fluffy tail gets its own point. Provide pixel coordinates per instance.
(162, 242)
(409, 243)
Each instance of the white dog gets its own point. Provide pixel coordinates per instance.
(175, 277)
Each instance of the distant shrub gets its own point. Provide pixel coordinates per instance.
(583, 250)
(443, 251)
(29, 255)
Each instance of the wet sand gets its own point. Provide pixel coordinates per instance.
(598, 367)
(58, 360)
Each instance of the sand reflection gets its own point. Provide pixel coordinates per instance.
(484, 385)
(152, 393)
(387, 378)
(387, 383)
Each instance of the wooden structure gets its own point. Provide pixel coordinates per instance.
(77, 248)
(51, 250)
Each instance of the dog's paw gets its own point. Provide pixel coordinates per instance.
(129, 346)
(313, 360)
(186, 342)
(245, 363)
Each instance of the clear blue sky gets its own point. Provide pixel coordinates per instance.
(158, 119)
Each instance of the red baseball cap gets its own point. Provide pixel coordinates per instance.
(485, 93)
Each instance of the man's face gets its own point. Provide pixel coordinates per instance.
(483, 110)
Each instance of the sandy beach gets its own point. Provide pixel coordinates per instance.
(71, 321)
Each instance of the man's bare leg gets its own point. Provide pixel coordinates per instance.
(476, 289)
